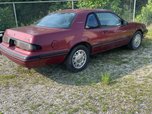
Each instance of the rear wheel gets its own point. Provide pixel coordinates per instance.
(78, 58)
(135, 43)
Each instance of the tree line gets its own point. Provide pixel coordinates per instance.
(29, 13)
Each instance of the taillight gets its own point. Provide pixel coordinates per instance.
(5, 39)
(1, 35)
(26, 46)
(20, 44)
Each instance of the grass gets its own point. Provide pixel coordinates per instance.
(73, 110)
(23, 70)
(149, 31)
(105, 107)
(148, 40)
(35, 106)
(90, 107)
(7, 77)
(106, 79)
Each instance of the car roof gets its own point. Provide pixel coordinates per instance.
(83, 10)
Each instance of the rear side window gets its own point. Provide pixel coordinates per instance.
(92, 21)
(108, 19)
(57, 20)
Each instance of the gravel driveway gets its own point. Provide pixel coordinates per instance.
(54, 90)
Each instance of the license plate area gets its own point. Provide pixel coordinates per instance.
(12, 42)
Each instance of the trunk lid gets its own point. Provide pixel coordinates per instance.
(28, 33)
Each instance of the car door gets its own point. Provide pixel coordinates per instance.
(105, 31)
(93, 33)
(114, 30)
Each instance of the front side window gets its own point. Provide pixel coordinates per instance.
(57, 20)
(91, 21)
(108, 19)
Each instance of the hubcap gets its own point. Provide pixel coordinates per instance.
(137, 41)
(79, 59)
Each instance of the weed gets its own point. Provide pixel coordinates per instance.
(106, 78)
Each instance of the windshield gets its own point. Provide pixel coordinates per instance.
(57, 20)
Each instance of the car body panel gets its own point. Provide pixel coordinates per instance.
(56, 43)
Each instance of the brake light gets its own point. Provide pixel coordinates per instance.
(5, 39)
(1, 35)
(20, 44)
(26, 46)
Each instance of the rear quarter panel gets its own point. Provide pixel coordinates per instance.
(66, 39)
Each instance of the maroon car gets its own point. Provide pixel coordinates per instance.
(70, 36)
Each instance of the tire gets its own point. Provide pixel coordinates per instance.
(136, 41)
(78, 58)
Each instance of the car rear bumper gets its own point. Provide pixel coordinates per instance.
(33, 61)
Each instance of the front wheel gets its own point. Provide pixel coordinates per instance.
(78, 58)
(136, 41)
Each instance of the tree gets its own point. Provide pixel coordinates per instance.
(123, 7)
(140, 4)
(27, 13)
(100, 4)
(146, 14)
(6, 18)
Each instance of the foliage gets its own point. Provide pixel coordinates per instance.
(60, 6)
(140, 4)
(146, 14)
(18, 0)
(123, 7)
(149, 31)
(29, 13)
(100, 4)
(6, 18)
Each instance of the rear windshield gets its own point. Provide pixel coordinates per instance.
(57, 20)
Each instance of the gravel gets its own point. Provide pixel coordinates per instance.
(54, 90)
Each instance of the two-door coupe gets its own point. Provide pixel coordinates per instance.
(70, 36)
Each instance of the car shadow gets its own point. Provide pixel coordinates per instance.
(117, 62)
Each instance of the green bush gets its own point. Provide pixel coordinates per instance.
(6, 18)
(60, 6)
(100, 4)
(146, 14)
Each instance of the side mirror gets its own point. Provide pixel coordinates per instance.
(124, 22)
